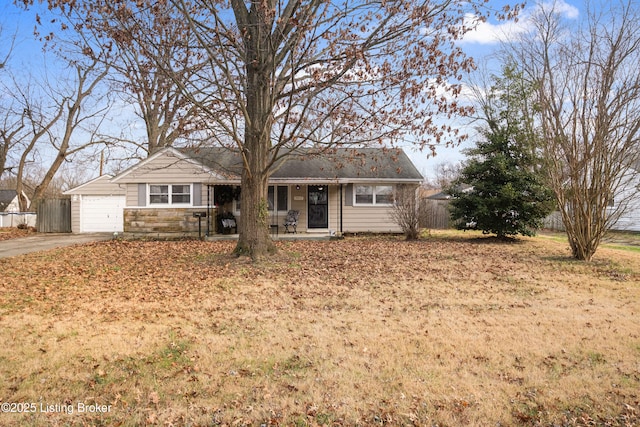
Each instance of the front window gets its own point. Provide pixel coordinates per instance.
(282, 198)
(158, 194)
(364, 194)
(177, 194)
(373, 195)
(180, 194)
(384, 195)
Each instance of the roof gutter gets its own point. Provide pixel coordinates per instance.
(327, 181)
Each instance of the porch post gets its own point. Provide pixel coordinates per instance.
(208, 210)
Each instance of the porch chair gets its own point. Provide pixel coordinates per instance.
(226, 223)
(291, 220)
(229, 224)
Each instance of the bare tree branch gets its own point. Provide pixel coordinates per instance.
(589, 100)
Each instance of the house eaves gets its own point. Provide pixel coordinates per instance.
(79, 188)
(179, 156)
(340, 166)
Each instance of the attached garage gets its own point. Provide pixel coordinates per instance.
(101, 214)
(97, 206)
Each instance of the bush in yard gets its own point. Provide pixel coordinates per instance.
(406, 212)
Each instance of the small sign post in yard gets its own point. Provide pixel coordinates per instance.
(199, 215)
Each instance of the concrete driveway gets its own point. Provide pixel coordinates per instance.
(43, 242)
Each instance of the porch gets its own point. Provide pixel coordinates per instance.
(317, 207)
(276, 237)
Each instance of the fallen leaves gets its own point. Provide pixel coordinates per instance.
(359, 331)
(7, 233)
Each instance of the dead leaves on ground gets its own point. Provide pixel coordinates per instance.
(121, 278)
(400, 315)
(7, 233)
(168, 273)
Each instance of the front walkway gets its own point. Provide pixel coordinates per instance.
(285, 236)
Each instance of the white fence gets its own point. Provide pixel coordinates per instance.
(14, 219)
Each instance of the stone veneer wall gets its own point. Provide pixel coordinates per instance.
(164, 221)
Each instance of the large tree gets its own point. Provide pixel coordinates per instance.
(50, 123)
(588, 95)
(501, 189)
(316, 73)
(319, 73)
(133, 39)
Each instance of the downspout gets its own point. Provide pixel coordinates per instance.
(341, 209)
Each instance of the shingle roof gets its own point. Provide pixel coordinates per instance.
(6, 197)
(342, 163)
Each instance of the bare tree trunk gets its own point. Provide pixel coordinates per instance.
(22, 202)
(254, 239)
(3, 157)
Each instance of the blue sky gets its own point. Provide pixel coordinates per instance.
(480, 44)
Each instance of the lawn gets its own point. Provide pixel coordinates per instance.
(451, 330)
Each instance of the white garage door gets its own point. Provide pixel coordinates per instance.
(101, 214)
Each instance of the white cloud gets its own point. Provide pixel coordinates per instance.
(490, 33)
(565, 9)
(487, 33)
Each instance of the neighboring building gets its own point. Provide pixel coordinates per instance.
(9, 201)
(348, 191)
(10, 214)
(627, 200)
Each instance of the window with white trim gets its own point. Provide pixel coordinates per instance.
(384, 195)
(158, 194)
(169, 194)
(181, 194)
(282, 197)
(373, 195)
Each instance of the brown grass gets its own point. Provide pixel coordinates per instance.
(452, 330)
(7, 233)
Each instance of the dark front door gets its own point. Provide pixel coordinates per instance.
(318, 206)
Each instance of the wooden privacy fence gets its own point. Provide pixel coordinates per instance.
(54, 216)
(434, 214)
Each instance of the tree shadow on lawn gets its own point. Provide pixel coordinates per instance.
(476, 237)
(500, 240)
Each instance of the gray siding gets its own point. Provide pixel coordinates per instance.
(363, 219)
(75, 214)
(355, 219)
(101, 186)
(168, 169)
